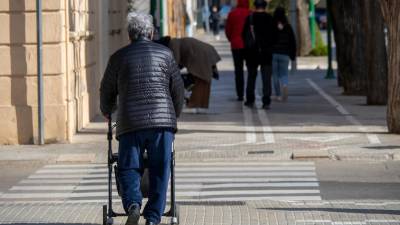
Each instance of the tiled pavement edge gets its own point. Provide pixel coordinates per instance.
(224, 213)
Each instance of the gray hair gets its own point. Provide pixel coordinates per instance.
(139, 25)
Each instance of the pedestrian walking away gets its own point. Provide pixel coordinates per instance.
(284, 50)
(233, 30)
(147, 82)
(258, 36)
(215, 18)
(200, 59)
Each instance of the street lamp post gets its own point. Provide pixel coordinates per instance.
(293, 21)
(312, 22)
(40, 72)
(330, 74)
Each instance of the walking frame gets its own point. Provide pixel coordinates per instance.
(108, 212)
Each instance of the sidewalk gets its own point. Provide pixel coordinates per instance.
(234, 213)
(317, 122)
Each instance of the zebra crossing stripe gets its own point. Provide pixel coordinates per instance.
(181, 175)
(186, 169)
(244, 164)
(233, 181)
(180, 186)
(197, 164)
(186, 180)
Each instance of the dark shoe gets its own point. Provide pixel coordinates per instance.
(265, 106)
(133, 215)
(240, 99)
(249, 104)
(151, 223)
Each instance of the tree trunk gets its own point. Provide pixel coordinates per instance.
(391, 12)
(375, 53)
(350, 46)
(303, 28)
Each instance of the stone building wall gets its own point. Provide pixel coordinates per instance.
(78, 37)
(18, 79)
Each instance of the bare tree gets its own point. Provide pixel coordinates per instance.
(391, 11)
(375, 53)
(350, 43)
(303, 28)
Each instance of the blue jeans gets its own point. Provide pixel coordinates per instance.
(158, 144)
(280, 72)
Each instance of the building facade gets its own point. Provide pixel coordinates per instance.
(78, 38)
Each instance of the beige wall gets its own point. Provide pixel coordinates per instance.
(76, 46)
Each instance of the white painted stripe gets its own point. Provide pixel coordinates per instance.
(253, 169)
(58, 181)
(61, 188)
(179, 187)
(243, 164)
(75, 165)
(268, 135)
(261, 185)
(66, 170)
(382, 221)
(249, 125)
(178, 180)
(66, 176)
(244, 179)
(182, 175)
(372, 138)
(313, 221)
(43, 188)
(187, 169)
(276, 198)
(256, 192)
(246, 174)
(192, 164)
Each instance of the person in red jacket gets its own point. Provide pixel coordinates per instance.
(233, 30)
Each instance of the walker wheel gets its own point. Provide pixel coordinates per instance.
(104, 214)
(110, 221)
(106, 220)
(175, 218)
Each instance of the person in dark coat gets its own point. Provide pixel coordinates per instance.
(215, 18)
(200, 59)
(260, 23)
(146, 79)
(233, 30)
(283, 50)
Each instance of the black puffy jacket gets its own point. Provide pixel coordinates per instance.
(149, 86)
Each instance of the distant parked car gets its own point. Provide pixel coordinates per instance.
(223, 12)
(321, 18)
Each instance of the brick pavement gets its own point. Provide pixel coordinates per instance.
(218, 213)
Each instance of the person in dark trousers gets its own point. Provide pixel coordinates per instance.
(233, 30)
(215, 18)
(260, 24)
(283, 50)
(146, 79)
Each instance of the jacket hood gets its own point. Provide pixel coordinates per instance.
(243, 4)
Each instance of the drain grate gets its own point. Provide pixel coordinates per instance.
(259, 152)
(385, 147)
(211, 203)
